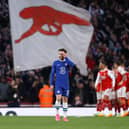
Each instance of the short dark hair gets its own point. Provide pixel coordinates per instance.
(62, 49)
(119, 62)
(103, 62)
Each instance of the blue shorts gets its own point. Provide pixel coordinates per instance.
(62, 91)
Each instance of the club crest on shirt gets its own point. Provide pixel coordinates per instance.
(66, 64)
(58, 91)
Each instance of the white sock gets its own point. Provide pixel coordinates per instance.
(65, 108)
(57, 106)
(65, 114)
(121, 111)
(57, 111)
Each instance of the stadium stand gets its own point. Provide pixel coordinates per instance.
(110, 19)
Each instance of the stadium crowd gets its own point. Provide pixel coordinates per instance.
(110, 41)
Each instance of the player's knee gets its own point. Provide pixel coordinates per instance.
(57, 104)
(99, 101)
(106, 97)
(58, 98)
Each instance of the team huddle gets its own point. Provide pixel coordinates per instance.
(112, 88)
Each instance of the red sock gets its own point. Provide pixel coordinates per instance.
(109, 105)
(98, 106)
(104, 104)
(123, 103)
(124, 106)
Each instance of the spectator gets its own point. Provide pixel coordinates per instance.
(13, 95)
(46, 96)
(3, 89)
(79, 94)
(111, 37)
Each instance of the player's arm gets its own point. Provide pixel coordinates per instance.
(124, 78)
(112, 76)
(70, 63)
(52, 75)
(97, 80)
(122, 72)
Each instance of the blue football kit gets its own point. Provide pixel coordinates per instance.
(59, 76)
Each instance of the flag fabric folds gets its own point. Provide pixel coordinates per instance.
(40, 27)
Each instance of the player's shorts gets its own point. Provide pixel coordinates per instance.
(107, 92)
(121, 92)
(62, 91)
(99, 95)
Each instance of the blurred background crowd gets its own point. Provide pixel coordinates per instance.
(110, 41)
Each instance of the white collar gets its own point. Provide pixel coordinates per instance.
(62, 60)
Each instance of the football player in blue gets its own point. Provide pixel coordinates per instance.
(59, 80)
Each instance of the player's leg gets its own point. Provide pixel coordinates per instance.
(117, 104)
(99, 104)
(107, 102)
(58, 93)
(65, 107)
(122, 101)
(65, 96)
(127, 93)
(114, 102)
(123, 107)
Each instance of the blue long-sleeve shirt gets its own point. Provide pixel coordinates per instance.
(60, 73)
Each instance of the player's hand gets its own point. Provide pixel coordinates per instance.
(120, 83)
(52, 87)
(95, 87)
(65, 55)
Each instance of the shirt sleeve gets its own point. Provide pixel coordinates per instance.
(70, 63)
(112, 76)
(121, 70)
(52, 74)
(97, 80)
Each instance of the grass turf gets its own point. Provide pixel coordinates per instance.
(74, 123)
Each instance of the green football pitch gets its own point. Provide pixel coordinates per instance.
(12, 122)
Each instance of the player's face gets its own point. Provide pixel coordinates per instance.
(115, 66)
(61, 55)
(101, 66)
